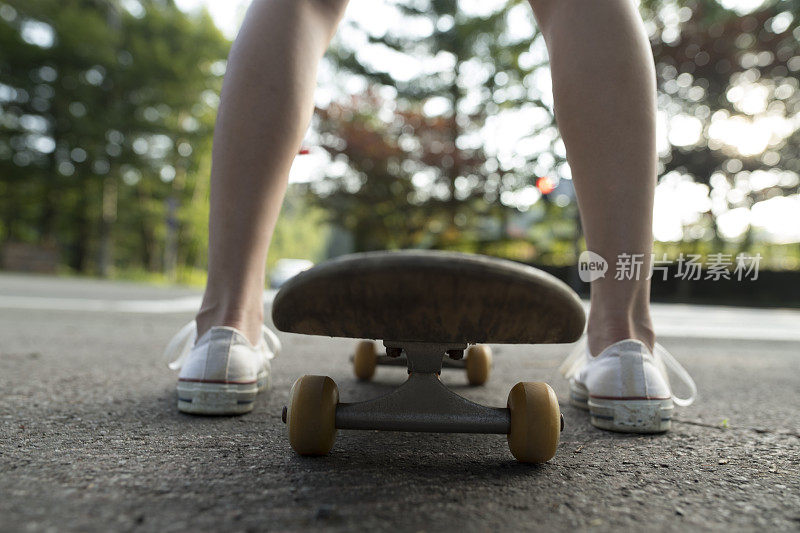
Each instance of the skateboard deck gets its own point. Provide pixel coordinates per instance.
(429, 296)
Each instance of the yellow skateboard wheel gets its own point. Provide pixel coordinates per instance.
(365, 360)
(311, 415)
(479, 364)
(535, 422)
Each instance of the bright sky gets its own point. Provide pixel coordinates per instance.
(679, 201)
(227, 14)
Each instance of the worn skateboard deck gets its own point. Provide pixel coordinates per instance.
(429, 296)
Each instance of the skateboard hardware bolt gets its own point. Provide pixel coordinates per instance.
(562, 422)
(394, 352)
(455, 354)
(285, 410)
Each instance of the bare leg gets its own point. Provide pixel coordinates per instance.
(604, 91)
(266, 105)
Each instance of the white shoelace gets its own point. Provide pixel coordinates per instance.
(181, 344)
(577, 359)
(681, 373)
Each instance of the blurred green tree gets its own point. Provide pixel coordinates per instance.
(733, 79)
(107, 106)
(107, 111)
(417, 172)
(301, 231)
(728, 92)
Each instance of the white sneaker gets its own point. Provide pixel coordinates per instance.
(221, 373)
(626, 388)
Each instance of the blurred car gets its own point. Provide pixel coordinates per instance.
(285, 269)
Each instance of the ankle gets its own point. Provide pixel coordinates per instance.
(246, 318)
(603, 330)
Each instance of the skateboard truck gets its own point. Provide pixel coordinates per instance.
(423, 402)
(532, 419)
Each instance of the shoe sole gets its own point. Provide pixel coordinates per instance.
(213, 398)
(624, 415)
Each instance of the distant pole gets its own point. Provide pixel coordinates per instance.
(108, 212)
(108, 216)
(171, 239)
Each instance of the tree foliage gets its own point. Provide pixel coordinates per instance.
(717, 69)
(737, 77)
(107, 110)
(422, 177)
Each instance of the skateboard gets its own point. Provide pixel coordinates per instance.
(427, 306)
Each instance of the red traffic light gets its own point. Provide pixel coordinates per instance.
(545, 185)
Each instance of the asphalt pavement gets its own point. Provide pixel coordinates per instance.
(90, 439)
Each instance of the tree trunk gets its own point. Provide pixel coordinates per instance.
(79, 261)
(107, 218)
(171, 239)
